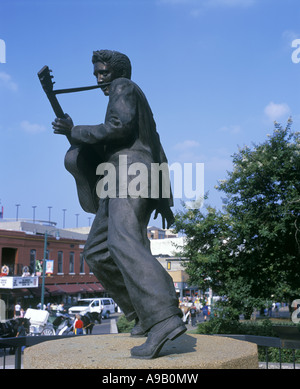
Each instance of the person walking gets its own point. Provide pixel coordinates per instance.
(205, 312)
(17, 311)
(193, 313)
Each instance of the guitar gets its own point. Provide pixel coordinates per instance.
(80, 160)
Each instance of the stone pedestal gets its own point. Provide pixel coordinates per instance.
(113, 352)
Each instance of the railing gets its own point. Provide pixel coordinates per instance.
(18, 343)
(263, 341)
(267, 342)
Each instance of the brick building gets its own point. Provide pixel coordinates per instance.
(22, 252)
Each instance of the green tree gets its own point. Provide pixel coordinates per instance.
(250, 252)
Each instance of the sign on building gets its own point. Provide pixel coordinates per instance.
(18, 282)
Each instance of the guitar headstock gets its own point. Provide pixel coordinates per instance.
(46, 79)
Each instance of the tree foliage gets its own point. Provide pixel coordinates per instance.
(250, 251)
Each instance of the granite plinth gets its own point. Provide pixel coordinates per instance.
(112, 351)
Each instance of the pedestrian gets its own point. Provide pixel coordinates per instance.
(193, 313)
(17, 311)
(205, 312)
(21, 329)
(60, 309)
(78, 325)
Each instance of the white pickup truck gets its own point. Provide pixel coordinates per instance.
(104, 306)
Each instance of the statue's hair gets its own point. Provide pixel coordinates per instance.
(118, 61)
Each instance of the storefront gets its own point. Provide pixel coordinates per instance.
(22, 252)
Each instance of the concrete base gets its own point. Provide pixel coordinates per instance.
(113, 352)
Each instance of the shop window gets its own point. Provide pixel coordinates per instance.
(32, 260)
(81, 263)
(71, 263)
(60, 262)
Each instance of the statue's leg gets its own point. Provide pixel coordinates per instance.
(149, 286)
(98, 258)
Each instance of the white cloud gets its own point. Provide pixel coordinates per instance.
(232, 129)
(218, 163)
(275, 111)
(186, 145)
(6, 81)
(289, 36)
(32, 128)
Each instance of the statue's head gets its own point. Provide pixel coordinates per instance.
(119, 62)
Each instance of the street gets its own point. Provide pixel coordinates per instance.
(105, 326)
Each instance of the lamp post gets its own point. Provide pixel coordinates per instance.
(17, 216)
(49, 215)
(44, 263)
(64, 217)
(33, 207)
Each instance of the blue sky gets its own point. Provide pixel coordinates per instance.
(217, 73)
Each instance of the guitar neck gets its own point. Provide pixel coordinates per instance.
(57, 109)
(55, 105)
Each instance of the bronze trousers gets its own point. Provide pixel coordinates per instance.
(118, 253)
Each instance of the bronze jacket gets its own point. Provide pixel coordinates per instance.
(127, 136)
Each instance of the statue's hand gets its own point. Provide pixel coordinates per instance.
(63, 126)
(166, 215)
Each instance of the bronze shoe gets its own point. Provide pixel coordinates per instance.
(159, 334)
(137, 331)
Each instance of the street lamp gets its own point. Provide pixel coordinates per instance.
(33, 207)
(44, 263)
(64, 217)
(17, 205)
(76, 214)
(49, 215)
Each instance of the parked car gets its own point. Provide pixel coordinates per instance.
(104, 306)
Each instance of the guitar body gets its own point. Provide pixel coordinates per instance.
(81, 160)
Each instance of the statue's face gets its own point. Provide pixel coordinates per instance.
(104, 73)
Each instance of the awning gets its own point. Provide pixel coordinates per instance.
(97, 287)
(60, 289)
(37, 292)
(70, 288)
(53, 290)
(87, 288)
(18, 292)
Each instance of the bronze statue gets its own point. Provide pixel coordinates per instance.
(118, 249)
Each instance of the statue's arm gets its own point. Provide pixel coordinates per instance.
(120, 120)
